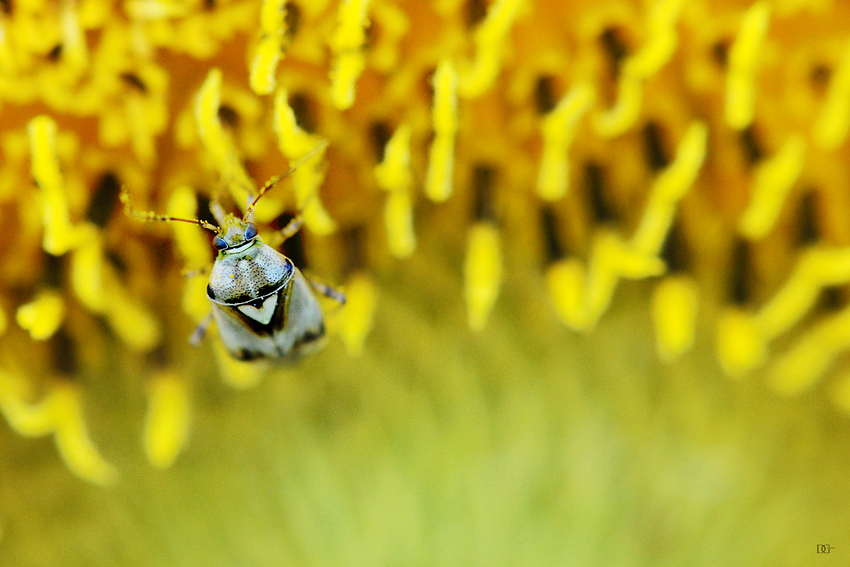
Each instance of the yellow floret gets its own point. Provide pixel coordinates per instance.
(355, 321)
(811, 357)
(740, 344)
(346, 43)
(559, 128)
(833, 120)
(490, 38)
(59, 234)
(221, 148)
(42, 316)
(670, 186)
(771, 185)
(393, 173)
(129, 319)
(87, 275)
(192, 241)
(744, 56)
(482, 272)
(167, 420)
(438, 184)
(674, 315)
(60, 413)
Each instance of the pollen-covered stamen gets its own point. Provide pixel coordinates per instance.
(743, 63)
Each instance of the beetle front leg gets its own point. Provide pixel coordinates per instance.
(200, 330)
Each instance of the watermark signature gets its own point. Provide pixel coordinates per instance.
(825, 548)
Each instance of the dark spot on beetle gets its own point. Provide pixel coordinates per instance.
(210, 292)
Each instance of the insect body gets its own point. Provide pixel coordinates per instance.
(263, 305)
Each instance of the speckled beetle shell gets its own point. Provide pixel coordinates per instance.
(262, 304)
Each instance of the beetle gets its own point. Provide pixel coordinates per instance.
(263, 306)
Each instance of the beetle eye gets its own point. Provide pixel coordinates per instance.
(219, 243)
(250, 231)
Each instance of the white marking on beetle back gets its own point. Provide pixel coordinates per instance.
(263, 314)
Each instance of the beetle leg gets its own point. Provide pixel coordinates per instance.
(192, 273)
(200, 330)
(327, 291)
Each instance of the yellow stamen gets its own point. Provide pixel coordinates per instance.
(811, 357)
(42, 316)
(269, 49)
(347, 44)
(216, 142)
(438, 184)
(655, 53)
(669, 187)
(490, 38)
(817, 268)
(833, 120)
(580, 305)
(60, 413)
(565, 283)
(398, 220)
(294, 143)
(482, 272)
(355, 321)
(559, 128)
(744, 56)
(394, 25)
(129, 319)
(393, 174)
(771, 185)
(192, 241)
(167, 420)
(195, 301)
(674, 314)
(740, 346)
(59, 235)
(74, 49)
(87, 275)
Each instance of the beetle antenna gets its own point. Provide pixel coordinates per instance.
(320, 147)
(152, 216)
